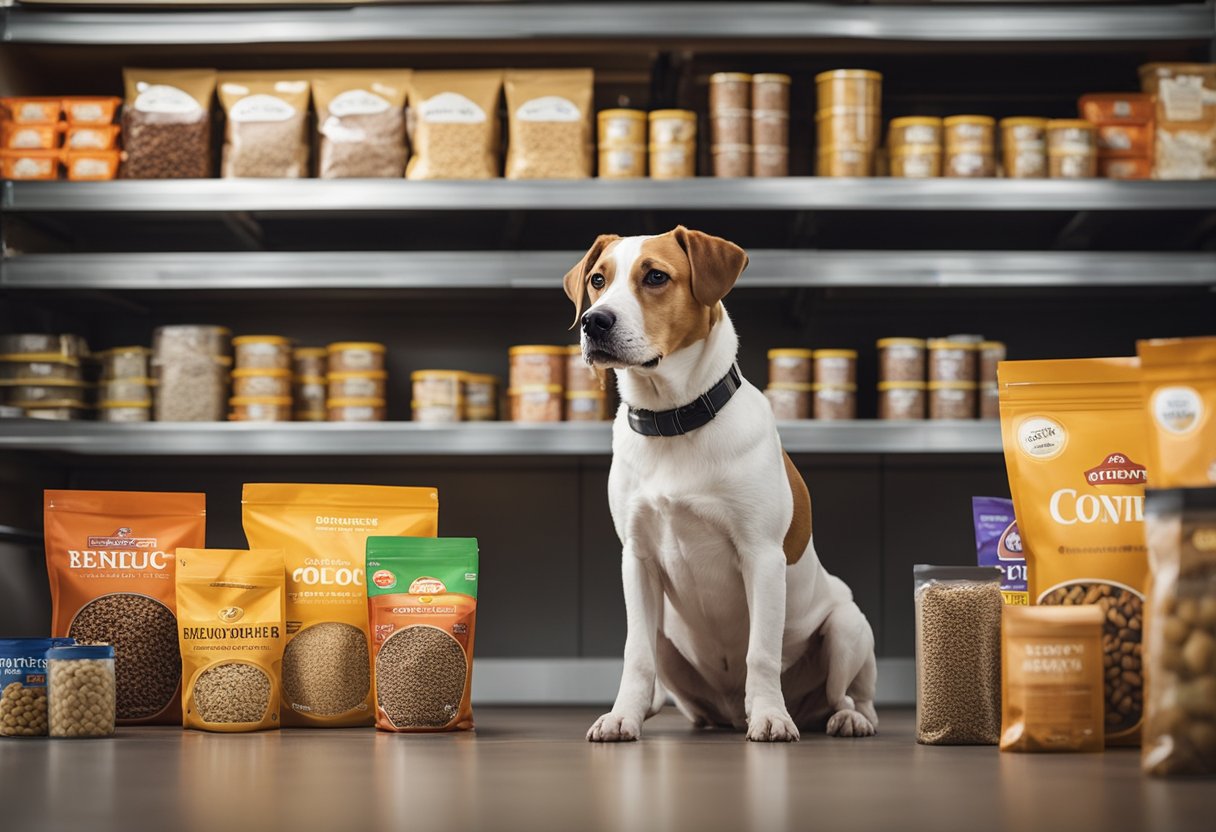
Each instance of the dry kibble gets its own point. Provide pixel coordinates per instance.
(232, 692)
(23, 711)
(420, 677)
(81, 697)
(326, 669)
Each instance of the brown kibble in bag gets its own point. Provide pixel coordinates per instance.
(549, 113)
(267, 131)
(361, 123)
(455, 129)
(1179, 386)
(166, 123)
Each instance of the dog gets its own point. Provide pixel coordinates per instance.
(727, 605)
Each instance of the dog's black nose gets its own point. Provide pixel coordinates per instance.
(598, 320)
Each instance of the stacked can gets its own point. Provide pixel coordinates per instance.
(537, 383)
(586, 398)
(673, 144)
(41, 377)
(901, 379)
(437, 396)
(790, 371)
(730, 123)
(1125, 123)
(1024, 147)
(261, 379)
(991, 353)
(835, 389)
(1072, 149)
(970, 146)
(848, 121)
(309, 367)
(622, 143)
(480, 397)
(125, 387)
(356, 367)
(191, 364)
(915, 145)
(770, 124)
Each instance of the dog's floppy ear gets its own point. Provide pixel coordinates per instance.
(576, 279)
(716, 264)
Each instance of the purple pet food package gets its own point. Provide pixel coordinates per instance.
(998, 543)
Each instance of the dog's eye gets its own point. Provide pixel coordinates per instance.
(597, 281)
(654, 277)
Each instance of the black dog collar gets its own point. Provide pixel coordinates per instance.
(691, 416)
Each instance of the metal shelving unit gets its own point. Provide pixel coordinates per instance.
(446, 270)
(633, 24)
(700, 194)
(402, 439)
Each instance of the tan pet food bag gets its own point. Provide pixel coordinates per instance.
(323, 531)
(361, 123)
(266, 135)
(549, 117)
(454, 124)
(1075, 450)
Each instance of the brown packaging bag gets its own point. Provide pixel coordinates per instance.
(1178, 380)
(1075, 448)
(266, 134)
(549, 118)
(454, 124)
(361, 123)
(110, 560)
(322, 530)
(166, 123)
(1051, 679)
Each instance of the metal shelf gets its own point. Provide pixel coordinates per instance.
(400, 439)
(186, 196)
(442, 270)
(638, 22)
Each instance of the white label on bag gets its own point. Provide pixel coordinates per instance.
(1182, 98)
(1177, 410)
(451, 108)
(1041, 438)
(261, 107)
(548, 108)
(162, 98)
(357, 103)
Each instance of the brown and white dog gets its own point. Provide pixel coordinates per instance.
(728, 606)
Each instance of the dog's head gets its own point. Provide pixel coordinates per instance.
(650, 296)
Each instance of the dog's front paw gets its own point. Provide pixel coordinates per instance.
(850, 724)
(772, 725)
(612, 727)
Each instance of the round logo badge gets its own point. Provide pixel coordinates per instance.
(1178, 410)
(1041, 438)
(384, 579)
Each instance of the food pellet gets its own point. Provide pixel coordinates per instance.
(232, 692)
(420, 677)
(81, 693)
(326, 669)
(147, 661)
(23, 711)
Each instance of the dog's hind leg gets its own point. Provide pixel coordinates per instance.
(848, 642)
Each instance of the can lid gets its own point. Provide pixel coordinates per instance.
(991, 345)
(794, 386)
(844, 388)
(113, 404)
(728, 77)
(480, 378)
(355, 403)
(308, 380)
(277, 401)
(80, 651)
(40, 358)
(790, 352)
(824, 113)
(208, 328)
(770, 78)
(372, 374)
(253, 372)
(1070, 124)
(309, 352)
(848, 74)
(952, 385)
(901, 342)
(42, 382)
(1023, 121)
(586, 394)
(536, 349)
(621, 112)
(915, 121)
(422, 375)
(277, 340)
(534, 388)
(834, 354)
(983, 121)
(900, 385)
(947, 344)
(686, 115)
(342, 346)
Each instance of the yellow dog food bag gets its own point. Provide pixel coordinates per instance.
(230, 613)
(1075, 450)
(1179, 385)
(323, 531)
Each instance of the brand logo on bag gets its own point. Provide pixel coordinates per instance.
(122, 538)
(384, 579)
(372, 522)
(1041, 438)
(1009, 547)
(1178, 410)
(427, 586)
(230, 615)
(1117, 469)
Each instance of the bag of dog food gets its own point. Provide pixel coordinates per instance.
(166, 123)
(266, 135)
(322, 531)
(454, 124)
(1179, 386)
(549, 121)
(1075, 451)
(110, 560)
(361, 123)
(1051, 679)
(23, 711)
(231, 610)
(999, 543)
(422, 606)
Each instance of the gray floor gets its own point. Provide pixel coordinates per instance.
(530, 769)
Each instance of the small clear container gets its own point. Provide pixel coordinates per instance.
(586, 406)
(790, 366)
(364, 385)
(191, 390)
(119, 411)
(260, 409)
(259, 383)
(789, 400)
(536, 403)
(125, 363)
(356, 410)
(191, 340)
(262, 352)
(836, 368)
(355, 356)
(81, 691)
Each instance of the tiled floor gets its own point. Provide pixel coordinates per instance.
(530, 769)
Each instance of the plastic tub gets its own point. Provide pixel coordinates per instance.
(848, 88)
(355, 356)
(901, 359)
(835, 367)
(790, 366)
(480, 397)
(533, 365)
(37, 371)
(248, 383)
(310, 362)
(356, 410)
(126, 390)
(260, 409)
(789, 401)
(622, 128)
(365, 385)
(952, 399)
(119, 411)
(901, 401)
(952, 360)
(262, 352)
(536, 403)
(1024, 147)
(834, 402)
(125, 363)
